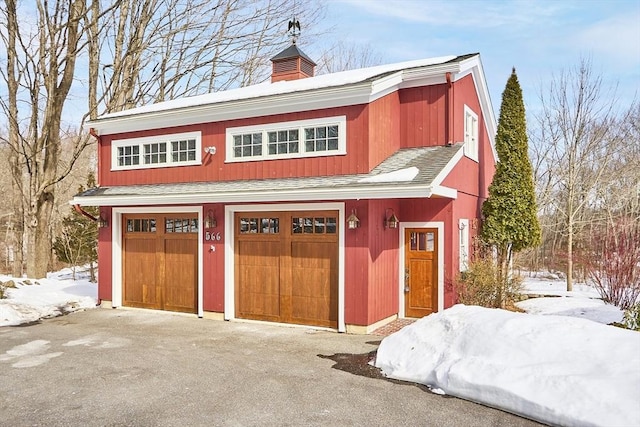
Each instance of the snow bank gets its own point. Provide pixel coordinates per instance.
(56, 295)
(554, 369)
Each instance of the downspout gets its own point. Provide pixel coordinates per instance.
(448, 138)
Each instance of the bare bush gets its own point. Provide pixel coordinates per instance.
(613, 264)
(479, 285)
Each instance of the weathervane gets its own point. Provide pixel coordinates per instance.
(294, 29)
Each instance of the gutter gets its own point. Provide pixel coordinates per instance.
(84, 213)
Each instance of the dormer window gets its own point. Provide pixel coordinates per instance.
(182, 149)
(286, 140)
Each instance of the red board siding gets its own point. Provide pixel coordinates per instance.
(422, 116)
(105, 278)
(357, 259)
(384, 128)
(465, 93)
(383, 269)
(213, 262)
(214, 168)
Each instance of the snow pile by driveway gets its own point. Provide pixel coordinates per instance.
(58, 294)
(554, 369)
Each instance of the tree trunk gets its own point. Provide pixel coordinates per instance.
(570, 257)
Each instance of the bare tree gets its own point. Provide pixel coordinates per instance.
(154, 50)
(138, 52)
(574, 151)
(40, 71)
(343, 56)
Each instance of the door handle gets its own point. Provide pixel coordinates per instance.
(406, 280)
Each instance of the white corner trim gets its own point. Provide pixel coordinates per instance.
(229, 250)
(116, 248)
(439, 225)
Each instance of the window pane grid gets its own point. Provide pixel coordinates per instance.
(183, 150)
(314, 225)
(155, 153)
(129, 155)
(306, 139)
(283, 141)
(181, 225)
(247, 145)
(322, 138)
(259, 225)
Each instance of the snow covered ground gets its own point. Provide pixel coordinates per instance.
(43, 298)
(560, 363)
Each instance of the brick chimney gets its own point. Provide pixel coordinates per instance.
(291, 64)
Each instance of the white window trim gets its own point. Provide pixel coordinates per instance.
(463, 244)
(340, 121)
(140, 142)
(471, 150)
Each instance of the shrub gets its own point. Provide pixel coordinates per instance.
(479, 285)
(631, 318)
(613, 264)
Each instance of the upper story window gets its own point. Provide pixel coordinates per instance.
(286, 140)
(180, 149)
(470, 133)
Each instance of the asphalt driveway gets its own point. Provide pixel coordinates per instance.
(139, 368)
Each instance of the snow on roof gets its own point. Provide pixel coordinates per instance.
(282, 87)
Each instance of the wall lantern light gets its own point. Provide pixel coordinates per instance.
(210, 220)
(102, 222)
(353, 222)
(392, 220)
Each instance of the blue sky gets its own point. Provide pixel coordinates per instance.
(539, 38)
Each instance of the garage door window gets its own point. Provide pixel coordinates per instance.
(314, 225)
(181, 225)
(260, 225)
(141, 225)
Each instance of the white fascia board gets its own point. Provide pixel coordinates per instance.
(446, 192)
(449, 166)
(411, 78)
(263, 106)
(378, 192)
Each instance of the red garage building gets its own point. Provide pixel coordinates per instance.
(343, 200)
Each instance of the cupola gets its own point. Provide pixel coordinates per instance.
(292, 63)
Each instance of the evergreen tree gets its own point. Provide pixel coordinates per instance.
(77, 243)
(510, 213)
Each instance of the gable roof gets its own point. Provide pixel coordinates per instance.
(324, 91)
(409, 173)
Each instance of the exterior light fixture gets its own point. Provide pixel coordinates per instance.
(102, 222)
(353, 222)
(210, 150)
(392, 220)
(210, 220)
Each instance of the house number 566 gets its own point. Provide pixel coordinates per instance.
(208, 236)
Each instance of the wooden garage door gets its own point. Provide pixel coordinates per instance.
(160, 261)
(286, 267)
